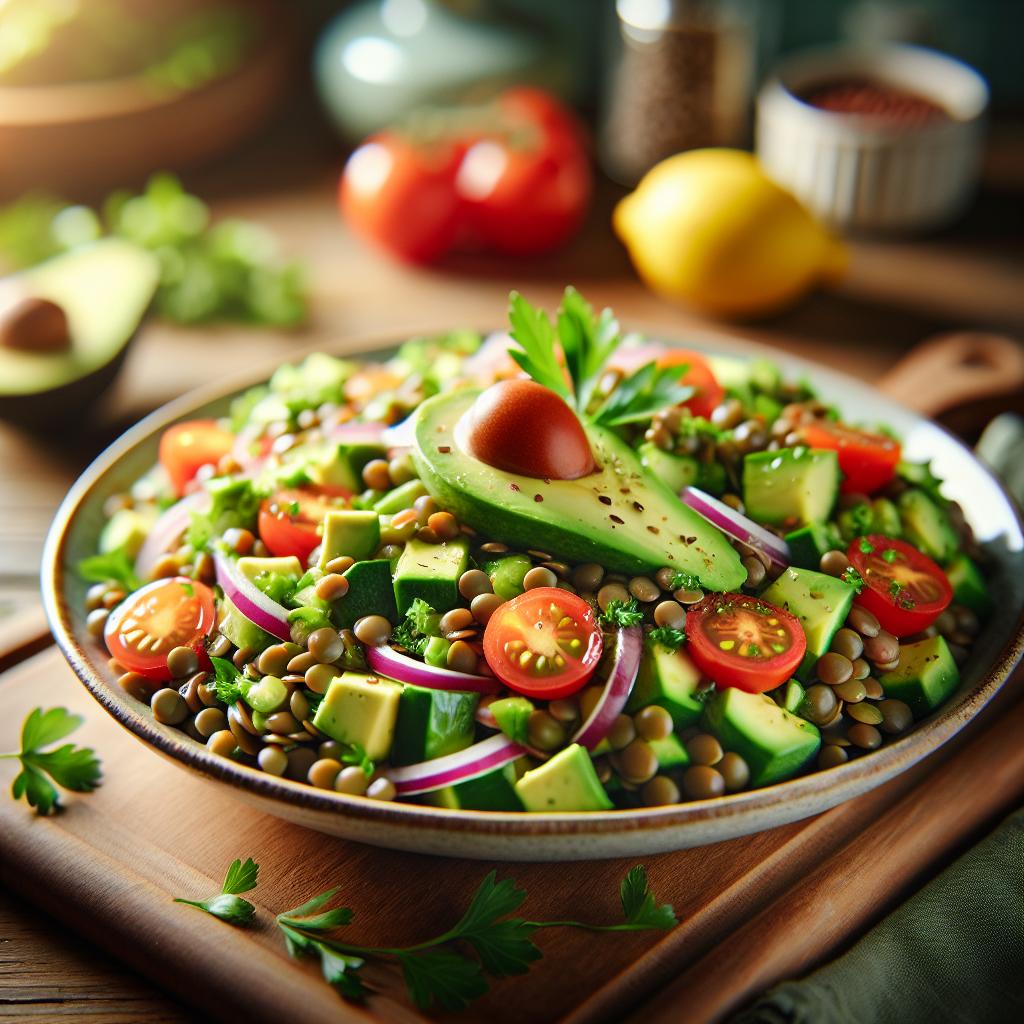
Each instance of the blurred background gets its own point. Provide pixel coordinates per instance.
(187, 156)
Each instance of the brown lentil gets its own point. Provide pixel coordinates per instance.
(302, 662)
(659, 791)
(381, 789)
(455, 620)
(611, 592)
(95, 594)
(425, 507)
(831, 755)
(96, 621)
(219, 646)
(273, 760)
(863, 621)
(653, 723)
(274, 660)
(325, 645)
(834, 562)
(493, 547)
(544, 731)
(169, 707)
(735, 771)
(189, 691)
(819, 704)
(588, 700)
(331, 587)
(208, 694)
(644, 589)
(865, 712)
(670, 613)
(483, 606)
(298, 705)
(372, 630)
(211, 720)
(351, 780)
(882, 649)
(377, 475)
(636, 762)
(444, 524)
(688, 595)
(340, 564)
(848, 643)
(702, 783)
(241, 656)
(755, 571)
(112, 598)
(861, 669)
(587, 576)
(181, 662)
(461, 657)
(873, 688)
(324, 773)
(946, 622)
(853, 691)
(704, 749)
(222, 743)
(560, 569)
(867, 737)
(300, 760)
(473, 583)
(538, 576)
(896, 716)
(833, 669)
(621, 733)
(565, 710)
(727, 415)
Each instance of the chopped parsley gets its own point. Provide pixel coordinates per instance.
(890, 555)
(668, 637)
(682, 580)
(621, 614)
(866, 546)
(228, 680)
(854, 578)
(115, 567)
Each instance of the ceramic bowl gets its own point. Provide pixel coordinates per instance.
(551, 836)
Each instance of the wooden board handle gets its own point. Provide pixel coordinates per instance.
(954, 369)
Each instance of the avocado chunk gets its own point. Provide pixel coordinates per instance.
(774, 743)
(810, 542)
(370, 592)
(820, 602)
(619, 515)
(670, 680)
(495, 791)
(431, 571)
(126, 530)
(432, 723)
(790, 695)
(670, 752)
(360, 710)
(513, 715)
(402, 497)
(969, 587)
(678, 472)
(506, 574)
(927, 526)
(337, 465)
(790, 486)
(351, 532)
(567, 782)
(240, 631)
(925, 676)
(104, 289)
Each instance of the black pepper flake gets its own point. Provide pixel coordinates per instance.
(538, 497)
(616, 519)
(444, 449)
(513, 487)
(604, 499)
(653, 529)
(638, 506)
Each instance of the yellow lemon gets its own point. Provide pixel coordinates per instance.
(710, 228)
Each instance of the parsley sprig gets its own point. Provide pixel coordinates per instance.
(587, 341)
(621, 614)
(115, 567)
(228, 905)
(667, 636)
(73, 768)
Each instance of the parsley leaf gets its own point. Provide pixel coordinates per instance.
(116, 567)
(227, 905)
(357, 755)
(241, 877)
(890, 555)
(532, 329)
(683, 580)
(424, 619)
(621, 613)
(405, 635)
(639, 906)
(442, 976)
(667, 636)
(228, 680)
(854, 578)
(641, 395)
(866, 546)
(587, 342)
(895, 587)
(73, 768)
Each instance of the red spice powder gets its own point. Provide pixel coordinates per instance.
(873, 99)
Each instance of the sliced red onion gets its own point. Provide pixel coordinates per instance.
(621, 677)
(737, 525)
(486, 756)
(388, 662)
(167, 530)
(250, 600)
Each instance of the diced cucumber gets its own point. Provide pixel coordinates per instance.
(670, 680)
(969, 587)
(512, 715)
(265, 695)
(402, 497)
(240, 631)
(927, 526)
(809, 543)
(674, 471)
(432, 723)
(370, 592)
(506, 574)
(431, 572)
(670, 752)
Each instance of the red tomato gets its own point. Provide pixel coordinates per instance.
(162, 615)
(401, 197)
(521, 426)
(904, 589)
(545, 643)
(742, 641)
(187, 446)
(708, 392)
(868, 461)
(291, 520)
(526, 186)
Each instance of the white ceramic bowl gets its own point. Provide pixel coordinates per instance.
(868, 173)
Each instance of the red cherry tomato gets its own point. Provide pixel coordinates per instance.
(187, 446)
(142, 629)
(526, 185)
(521, 426)
(742, 641)
(708, 393)
(545, 643)
(904, 589)
(868, 461)
(401, 197)
(290, 521)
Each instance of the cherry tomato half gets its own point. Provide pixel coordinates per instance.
(290, 520)
(545, 643)
(742, 641)
(708, 393)
(868, 461)
(904, 589)
(147, 625)
(187, 446)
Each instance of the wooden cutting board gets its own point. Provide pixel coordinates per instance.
(753, 910)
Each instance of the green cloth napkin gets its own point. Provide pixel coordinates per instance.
(953, 952)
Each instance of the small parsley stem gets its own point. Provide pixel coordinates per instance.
(583, 926)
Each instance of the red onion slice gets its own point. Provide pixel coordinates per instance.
(167, 530)
(486, 756)
(388, 662)
(628, 649)
(250, 600)
(737, 525)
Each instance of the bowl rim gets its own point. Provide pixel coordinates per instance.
(846, 780)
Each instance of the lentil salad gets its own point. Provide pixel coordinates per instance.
(306, 587)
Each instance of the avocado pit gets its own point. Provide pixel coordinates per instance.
(32, 324)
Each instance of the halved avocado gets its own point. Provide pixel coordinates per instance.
(105, 289)
(619, 515)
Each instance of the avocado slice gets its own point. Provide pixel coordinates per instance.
(925, 676)
(969, 587)
(927, 526)
(791, 485)
(619, 515)
(567, 782)
(105, 289)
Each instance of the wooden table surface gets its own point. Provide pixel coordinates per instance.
(896, 293)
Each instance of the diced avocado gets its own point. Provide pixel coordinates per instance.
(370, 592)
(820, 602)
(768, 407)
(789, 695)
(670, 680)
(790, 486)
(774, 743)
(885, 518)
(432, 723)
(252, 567)
(360, 710)
(567, 782)
(969, 588)
(338, 465)
(670, 752)
(240, 631)
(349, 532)
(674, 471)
(494, 791)
(619, 515)
(810, 542)
(925, 676)
(431, 571)
(512, 715)
(927, 526)
(402, 497)
(506, 574)
(125, 531)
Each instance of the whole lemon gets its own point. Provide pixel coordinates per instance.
(710, 228)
